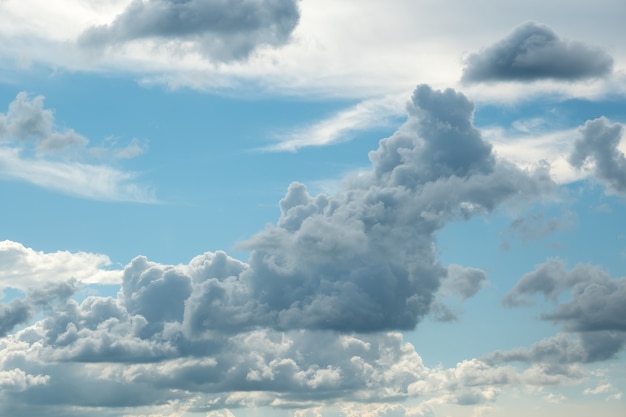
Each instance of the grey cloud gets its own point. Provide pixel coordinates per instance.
(28, 122)
(537, 226)
(594, 306)
(462, 283)
(441, 312)
(20, 311)
(598, 147)
(595, 314)
(566, 348)
(562, 348)
(533, 52)
(596, 300)
(223, 30)
(156, 293)
(12, 314)
(364, 259)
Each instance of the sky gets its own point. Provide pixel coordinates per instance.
(306, 208)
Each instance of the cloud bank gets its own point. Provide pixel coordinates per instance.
(534, 52)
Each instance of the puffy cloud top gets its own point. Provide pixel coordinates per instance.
(533, 52)
(220, 29)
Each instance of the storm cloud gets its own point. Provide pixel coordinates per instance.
(534, 52)
(222, 30)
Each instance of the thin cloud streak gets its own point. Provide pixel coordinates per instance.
(365, 115)
(96, 182)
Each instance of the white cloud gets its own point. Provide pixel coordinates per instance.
(25, 268)
(365, 115)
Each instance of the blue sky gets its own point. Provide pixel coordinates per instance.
(305, 209)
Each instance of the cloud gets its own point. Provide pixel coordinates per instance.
(365, 115)
(597, 150)
(14, 313)
(24, 268)
(310, 319)
(563, 349)
(460, 282)
(34, 151)
(595, 313)
(20, 311)
(219, 29)
(536, 226)
(363, 259)
(534, 52)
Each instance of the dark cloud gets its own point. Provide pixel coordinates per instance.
(597, 149)
(221, 29)
(533, 52)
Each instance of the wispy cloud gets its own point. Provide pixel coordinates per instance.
(33, 150)
(365, 115)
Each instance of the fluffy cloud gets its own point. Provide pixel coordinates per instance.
(32, 149)
(597, 150)
(533, 52)
(222, 30)
(24, 268)
(363, 259)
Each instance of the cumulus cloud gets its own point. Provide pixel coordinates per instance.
(222, 30)
(597, 150)
(33, 150)
(533, 52)
(363, 259)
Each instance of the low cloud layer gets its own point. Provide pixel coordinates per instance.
(534, 52)
(34, 150)
(222, 30)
